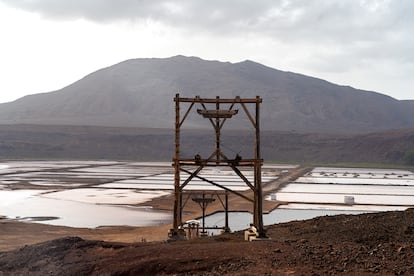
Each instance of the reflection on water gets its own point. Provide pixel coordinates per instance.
(84, 194)
(97, 193)
(106, 196)
(27, 203)
(242, 220)
(35, 219)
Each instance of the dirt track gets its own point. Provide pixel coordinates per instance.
(357, 245)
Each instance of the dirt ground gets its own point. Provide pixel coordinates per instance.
(377, 243)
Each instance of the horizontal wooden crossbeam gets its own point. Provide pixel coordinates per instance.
(218, 100)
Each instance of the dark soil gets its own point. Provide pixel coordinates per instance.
(379, 243)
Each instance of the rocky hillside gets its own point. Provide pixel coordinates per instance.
(71, 142)
(367, 244)
(139, 93)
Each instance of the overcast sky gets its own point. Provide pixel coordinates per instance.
(368, 44)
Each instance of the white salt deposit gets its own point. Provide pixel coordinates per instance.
(348, 189)
(357, 180)
(105, 196)
(371, 189)
(78, 214)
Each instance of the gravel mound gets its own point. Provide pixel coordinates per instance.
(377, 243)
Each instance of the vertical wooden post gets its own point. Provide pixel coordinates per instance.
(258, 208)
(260, 225)
(217, 128)
(226, 218)
(177, 193)
(203, 206)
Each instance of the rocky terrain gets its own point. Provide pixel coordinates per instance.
(377, 243)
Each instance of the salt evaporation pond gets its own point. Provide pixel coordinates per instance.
(73, 201)
(27, 205)
(100, 193)
(324, 191)
(348, 190)
(96, 193)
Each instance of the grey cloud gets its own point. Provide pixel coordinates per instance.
(326, 20)
(95, 10)
(359, 28)
(193, 12)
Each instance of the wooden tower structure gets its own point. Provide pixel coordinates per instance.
(211, 109)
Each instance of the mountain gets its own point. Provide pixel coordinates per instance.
(139, 93)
